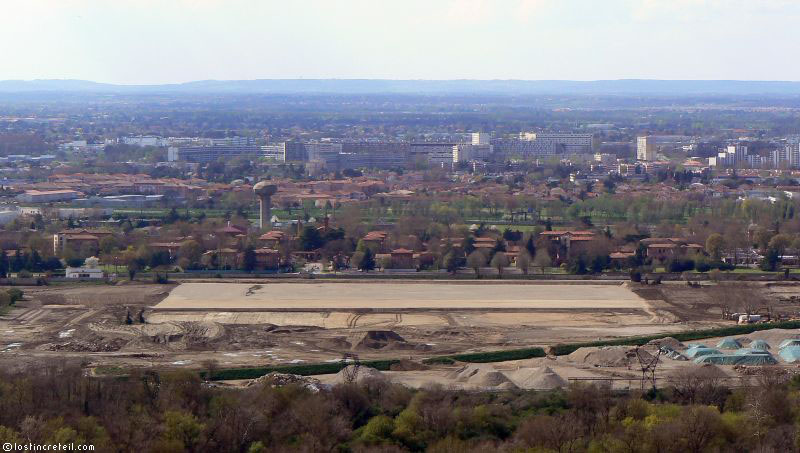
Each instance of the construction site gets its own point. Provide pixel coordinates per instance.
(263, 323)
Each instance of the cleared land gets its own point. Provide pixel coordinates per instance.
(342, 296)
(269, 323)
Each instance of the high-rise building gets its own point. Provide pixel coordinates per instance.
(645, 148)
(275, 152)
(787, 156)
(481, 138)
(466, 152)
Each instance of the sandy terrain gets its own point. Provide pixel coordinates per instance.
(263, 323)
(338, 296)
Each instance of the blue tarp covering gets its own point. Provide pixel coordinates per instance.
(745, 359)
(698, 352)
(790, 353)
(789, 342)
(696, 345)
(759, 344)
(729, 343)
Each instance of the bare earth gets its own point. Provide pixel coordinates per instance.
(339, 296)
(261, 323)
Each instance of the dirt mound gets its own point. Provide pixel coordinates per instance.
(362, 373)
(669, 342)
(382, 339)
(774, 336)
(711, 371)
(542, 378)
(336, 343)
(467, 371)
(707, 371)
(408, 365)
(280, 379)
(89, 345)
(608, 356)
(481, 375)
(491, 379)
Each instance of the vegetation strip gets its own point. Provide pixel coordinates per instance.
(303, 370)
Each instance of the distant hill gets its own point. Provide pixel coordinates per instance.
(369, 86)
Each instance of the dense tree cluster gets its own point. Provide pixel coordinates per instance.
(178, 412)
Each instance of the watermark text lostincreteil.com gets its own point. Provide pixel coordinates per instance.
(11, 446)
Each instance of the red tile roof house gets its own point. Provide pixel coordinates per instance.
(375, 239)
(572, 240)
(402, 259)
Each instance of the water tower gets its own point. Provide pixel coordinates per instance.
(264, 191)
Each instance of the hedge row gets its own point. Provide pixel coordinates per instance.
(564, 349)
(492, 356)
(303, 370)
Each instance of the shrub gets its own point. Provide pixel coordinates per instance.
(15, 294)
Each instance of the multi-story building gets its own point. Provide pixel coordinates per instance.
(562, 143)
(466, 152)
(645, 148)
(434, 154)
(732, 156)
(481, 138)
(605, 158)
(143, 140)
(275, 152)
(787, 156)
(206, 154)
(78, 239)
(525, 149)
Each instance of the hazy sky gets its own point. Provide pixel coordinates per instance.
(158, 41)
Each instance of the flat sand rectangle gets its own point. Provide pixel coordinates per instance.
(340, 296)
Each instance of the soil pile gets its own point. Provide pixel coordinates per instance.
(541, 378)
(335, 343)
(669, 342)
(491, 379)
(774, 336)
(280, 379)
(361, 374)
(609, 356)
(382, 339)
(467, 371)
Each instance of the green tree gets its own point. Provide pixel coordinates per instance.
(499, 262)
(524, 261)
(183, 429)
(542, 259)
(476, 260)
(367, 262)
(450, 262)
(249, 261)
(770, 261)
(310, 239)
(715, 244)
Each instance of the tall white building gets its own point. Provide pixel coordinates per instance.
(645, 148)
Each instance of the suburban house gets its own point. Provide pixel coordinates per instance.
(78, 238)
(267, 258)
(667, 248)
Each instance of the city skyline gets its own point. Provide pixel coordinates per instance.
(146, 42)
